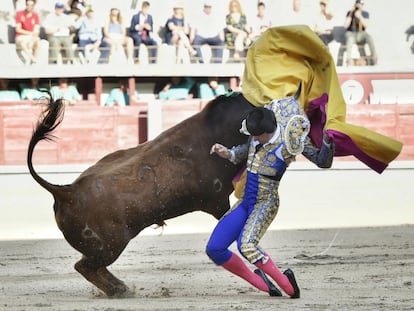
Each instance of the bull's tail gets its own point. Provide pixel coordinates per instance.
(49, 120)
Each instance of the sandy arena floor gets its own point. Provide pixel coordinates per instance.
(364, 269)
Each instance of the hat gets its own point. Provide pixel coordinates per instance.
(260, 120)
(324, 2)
(359, 1)
(59, 5)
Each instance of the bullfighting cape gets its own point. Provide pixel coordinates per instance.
(285, 56)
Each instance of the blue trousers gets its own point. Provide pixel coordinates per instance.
(216, 48)
(246, 223)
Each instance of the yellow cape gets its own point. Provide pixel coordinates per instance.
(284, 56)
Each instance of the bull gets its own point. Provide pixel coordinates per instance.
(129, 190)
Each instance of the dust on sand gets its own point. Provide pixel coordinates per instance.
(336, 269)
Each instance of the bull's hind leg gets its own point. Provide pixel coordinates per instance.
(102, 278)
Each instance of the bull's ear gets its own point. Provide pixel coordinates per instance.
(298, 91)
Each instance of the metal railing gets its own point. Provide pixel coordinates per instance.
(147, 54)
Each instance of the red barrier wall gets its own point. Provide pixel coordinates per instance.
(89, 132)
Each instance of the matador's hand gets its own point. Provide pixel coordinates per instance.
(221, 150)
(326, 138)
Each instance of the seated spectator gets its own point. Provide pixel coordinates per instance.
(178, 88)
(77, 8)
(237, 30)
(141, 29)
(33, 90)
(58, 28)
(6, 93)
(260, 23)
(211, 89)
(27, 33)
(66, 91)
(89, 35)
(178, 30)
(296, 15)
(356, 23)
(120, 96)
(207, 29)
(324, 23)
(116, 38)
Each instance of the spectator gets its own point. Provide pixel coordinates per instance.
(142, 26)
(6, 93)
(296, 15)
(65, 91)
(116, 38)
(89, 35)
(77, 8)
(120, 96)
(260, 23)
(237, 30)
(356, 23)
(206, 29)
(33, 90)
(58, 27)
(324, 23)
(178, 88)
(267, 155)
(27, 33)
(211, 89)
(178, 30)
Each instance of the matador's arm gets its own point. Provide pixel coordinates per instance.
(239, 153)
(321, 157)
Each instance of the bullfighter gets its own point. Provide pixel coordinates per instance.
(311, 123)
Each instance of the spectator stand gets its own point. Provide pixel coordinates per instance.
(141, 88)
(8, 92)
(169, 54)
(166, 53)
(9, 96)
(10, 55)
(338, 49)
(211, 88)
(88, 133)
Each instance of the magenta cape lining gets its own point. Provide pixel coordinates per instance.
(344, 145)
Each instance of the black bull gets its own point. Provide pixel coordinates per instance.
(129, 190)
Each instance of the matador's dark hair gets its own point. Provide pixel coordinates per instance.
(260, 120)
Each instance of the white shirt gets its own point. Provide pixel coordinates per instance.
(208, 25)
(260, 22)
(59, 23)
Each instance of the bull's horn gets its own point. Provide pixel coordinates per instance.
(299, 90)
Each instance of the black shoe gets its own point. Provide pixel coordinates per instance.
(292, 281)
(273, 290)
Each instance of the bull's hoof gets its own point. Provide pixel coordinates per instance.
(121, 292)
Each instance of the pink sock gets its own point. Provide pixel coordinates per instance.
(236, 266)
(271, 269)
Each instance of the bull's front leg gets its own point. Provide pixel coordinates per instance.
(102, 278)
